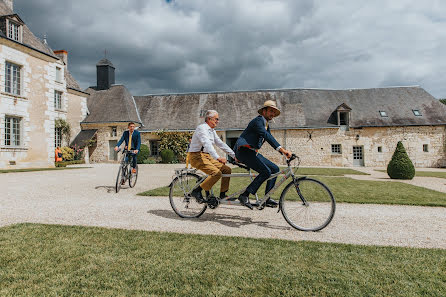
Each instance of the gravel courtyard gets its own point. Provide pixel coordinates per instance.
(86, 197)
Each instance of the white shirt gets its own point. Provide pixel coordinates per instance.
(205, 137)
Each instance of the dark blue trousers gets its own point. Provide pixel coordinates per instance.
(260, 164)
(133, 159)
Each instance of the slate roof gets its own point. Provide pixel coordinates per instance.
(110, 106)
(83, 137)
(105, 62)
(71, 82)
(301, 108)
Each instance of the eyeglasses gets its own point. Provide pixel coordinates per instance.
(217, 119)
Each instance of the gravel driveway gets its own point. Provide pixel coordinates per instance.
(86, 197)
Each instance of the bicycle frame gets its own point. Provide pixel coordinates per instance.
(260, 203)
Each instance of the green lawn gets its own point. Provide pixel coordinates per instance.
(42, 260)
(38, 169)
(427, 173)
(351, 191)
(317, 171)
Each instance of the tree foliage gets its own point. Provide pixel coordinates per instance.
(400, 167)
(442, 101)
(144, 153)
(175, 141)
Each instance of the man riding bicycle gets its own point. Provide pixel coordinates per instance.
(132, 140)
(203, 156)
(246, 151)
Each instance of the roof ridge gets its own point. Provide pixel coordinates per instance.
(276, 90)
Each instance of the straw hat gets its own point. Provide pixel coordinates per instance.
(272, 104)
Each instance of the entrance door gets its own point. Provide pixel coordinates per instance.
(358, 155)
(113, 156)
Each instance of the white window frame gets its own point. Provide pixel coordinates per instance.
(59, 75)
(14, 31)
(13, 131)
(57, 137)
(13, 78)
(58, 100)
(336, 149)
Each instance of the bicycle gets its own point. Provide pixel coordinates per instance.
(306, 203)
(125, 173)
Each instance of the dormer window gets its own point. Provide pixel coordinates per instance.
(12, 26)
(14, 30)
(343, 116)
(416, 112)
(383, 113)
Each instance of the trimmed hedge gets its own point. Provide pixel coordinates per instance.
(400, 167)
(167, 156)
(144, 153)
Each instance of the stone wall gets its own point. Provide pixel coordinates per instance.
(317, 150)
(313, 146)
(101, 152)
(35, 107)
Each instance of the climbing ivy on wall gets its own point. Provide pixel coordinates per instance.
(65, 128)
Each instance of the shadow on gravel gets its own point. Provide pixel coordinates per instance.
(110, 189)
(233, 221)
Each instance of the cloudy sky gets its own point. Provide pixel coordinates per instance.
(164, 46)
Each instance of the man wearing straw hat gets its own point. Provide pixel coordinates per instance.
(246, 151)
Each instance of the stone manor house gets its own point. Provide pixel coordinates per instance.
(359, 127)
(36, 88)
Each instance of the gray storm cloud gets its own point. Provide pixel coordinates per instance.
(198, 45)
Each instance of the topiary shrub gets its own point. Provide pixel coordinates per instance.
(67, 153)
(144, 153)
(167, 156)
(400, 167)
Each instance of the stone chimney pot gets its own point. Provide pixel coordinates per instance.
(63, 55)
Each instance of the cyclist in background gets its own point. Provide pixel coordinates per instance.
(132, 139)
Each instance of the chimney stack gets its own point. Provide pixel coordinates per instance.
(105, 73)
(63, 55)
(10, 4)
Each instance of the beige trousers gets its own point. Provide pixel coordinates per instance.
(211, 167)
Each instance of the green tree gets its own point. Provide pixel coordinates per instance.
(400, 167)
(175, 141)
(144, 153)
(442, 101)
(167, 156)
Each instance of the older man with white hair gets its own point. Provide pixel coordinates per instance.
(202, 155)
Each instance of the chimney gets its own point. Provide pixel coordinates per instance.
(105, 74)
(10, 4)
(63, 55)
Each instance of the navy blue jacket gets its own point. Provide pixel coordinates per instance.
(255, 135)
(136, 139)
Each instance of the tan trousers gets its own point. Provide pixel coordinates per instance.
(211, 167)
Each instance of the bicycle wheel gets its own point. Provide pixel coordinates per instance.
(119, 179)
(133, 177)
(307, 206)
(183, 204)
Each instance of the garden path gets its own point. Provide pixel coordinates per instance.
(86, 197)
